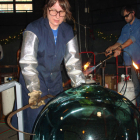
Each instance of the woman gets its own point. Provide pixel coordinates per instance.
(46, 42)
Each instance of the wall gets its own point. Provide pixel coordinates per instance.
(11, 24)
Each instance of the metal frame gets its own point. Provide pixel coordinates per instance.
(19, 104)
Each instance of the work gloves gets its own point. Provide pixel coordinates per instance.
(34, 97)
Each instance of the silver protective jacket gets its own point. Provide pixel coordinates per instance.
(73, 63)
(28, 61)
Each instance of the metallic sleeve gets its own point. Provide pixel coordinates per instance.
(28, 61)
(73, 63)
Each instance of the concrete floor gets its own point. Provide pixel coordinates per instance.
(6, 133)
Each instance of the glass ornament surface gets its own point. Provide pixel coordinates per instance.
(88, 112)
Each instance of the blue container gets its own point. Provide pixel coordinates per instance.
(88, 112)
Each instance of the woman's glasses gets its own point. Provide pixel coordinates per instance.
(54, 13)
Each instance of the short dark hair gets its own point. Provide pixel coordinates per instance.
(128, 8)
(64, 4)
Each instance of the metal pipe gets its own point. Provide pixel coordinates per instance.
(19, 104)
(103, 76)
(79, 31)
(117, 74)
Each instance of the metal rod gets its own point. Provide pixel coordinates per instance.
(103, 76)
(19, 104)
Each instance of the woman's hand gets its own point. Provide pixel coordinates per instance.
(34, 97)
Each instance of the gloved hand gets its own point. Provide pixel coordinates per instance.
(78, 83)
(34, 97)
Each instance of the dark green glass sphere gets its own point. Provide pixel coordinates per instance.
(88, 112)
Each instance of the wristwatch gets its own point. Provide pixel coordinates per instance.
(120, 46)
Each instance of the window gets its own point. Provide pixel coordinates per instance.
(16, 6)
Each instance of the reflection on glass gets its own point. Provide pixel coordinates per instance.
(6, 8)
(88, 112)
(24, 7)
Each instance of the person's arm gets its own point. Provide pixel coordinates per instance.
(73, 63)
(28, 63)
(120, 44)
(111, 48)
(119, 49)
(126, 44)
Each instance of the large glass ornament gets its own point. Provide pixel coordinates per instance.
(88, 112)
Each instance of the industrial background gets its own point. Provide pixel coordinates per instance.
(97, 25)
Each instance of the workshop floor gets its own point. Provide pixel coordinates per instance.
(6, 133)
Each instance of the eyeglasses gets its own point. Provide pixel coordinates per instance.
(54, 13)
(127, 15)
